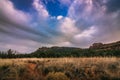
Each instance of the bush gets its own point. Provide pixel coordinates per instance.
(56, 76)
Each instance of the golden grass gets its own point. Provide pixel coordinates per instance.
(96, 68)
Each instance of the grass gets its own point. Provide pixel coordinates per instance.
(96, 68)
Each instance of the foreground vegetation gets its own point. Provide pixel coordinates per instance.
(60, 69)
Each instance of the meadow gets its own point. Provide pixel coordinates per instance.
(96, 68)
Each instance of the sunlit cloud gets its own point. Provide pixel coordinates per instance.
(42, 12)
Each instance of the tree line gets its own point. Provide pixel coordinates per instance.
(56, 52)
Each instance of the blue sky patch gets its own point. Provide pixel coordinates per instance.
(55, 8)
(24, 5)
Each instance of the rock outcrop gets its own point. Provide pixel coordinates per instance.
(110, 46)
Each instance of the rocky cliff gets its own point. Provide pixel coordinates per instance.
(110, 46)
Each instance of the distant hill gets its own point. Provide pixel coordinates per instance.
(95, 46)
(110, 46)
(96, 50)
(55, 48)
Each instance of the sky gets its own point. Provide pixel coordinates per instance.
(26, 25)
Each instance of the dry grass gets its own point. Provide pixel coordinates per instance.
(96, 68)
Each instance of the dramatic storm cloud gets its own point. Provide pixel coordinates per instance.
(26, 25)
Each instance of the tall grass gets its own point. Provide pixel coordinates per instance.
(96, 68)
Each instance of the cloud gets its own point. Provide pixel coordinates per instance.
(66, 2)
(86, 33)
(68, 26)
(87, 21)
(40, 9)
(59, 17)
(92, 22)
(13, 19)
(8, 10)
(74, 36)
(17, 25)
(84, 38)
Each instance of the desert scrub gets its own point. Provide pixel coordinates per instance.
(113, 69)
(52, 68)
(56, 76)
(3, 70)
(60, 69)
(9, 73)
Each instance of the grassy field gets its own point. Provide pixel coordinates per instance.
(60, 69)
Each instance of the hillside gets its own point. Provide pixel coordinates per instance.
(110, 46)
(96, 50)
